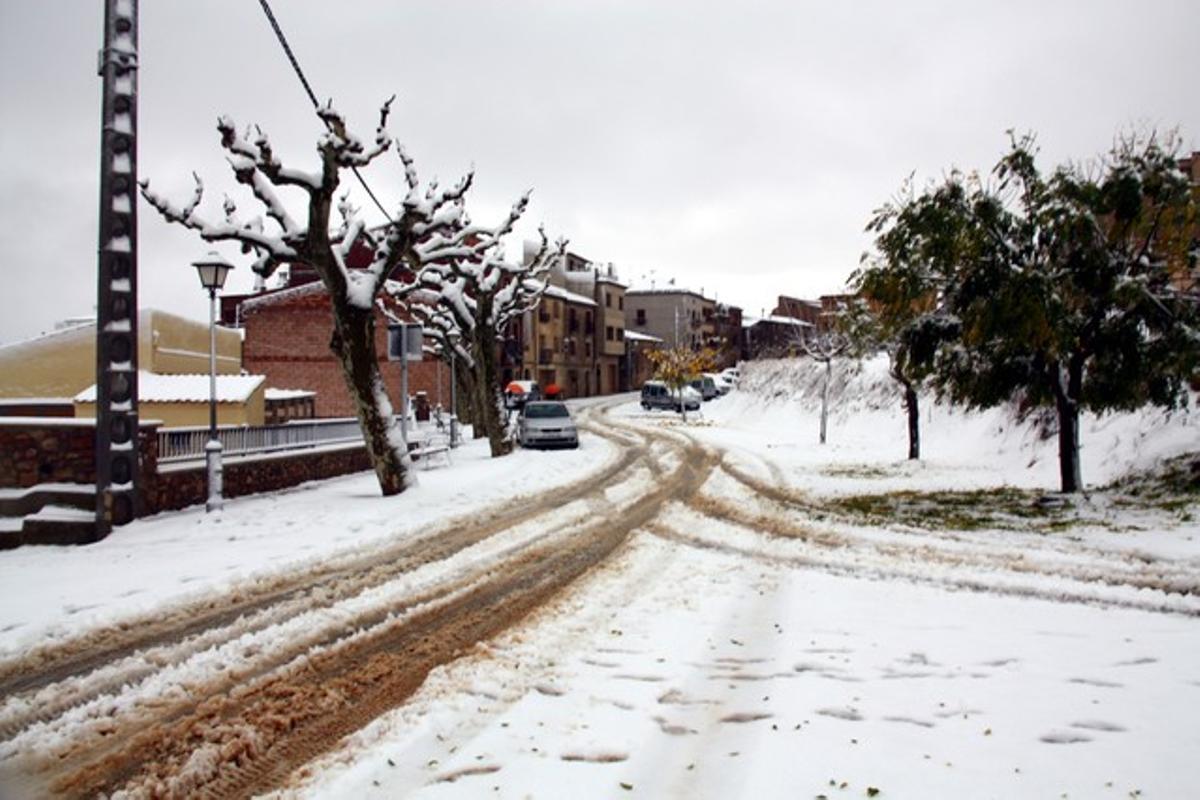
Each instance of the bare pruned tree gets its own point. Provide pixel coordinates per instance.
(476, 300)
(429, 227)
(823, 346)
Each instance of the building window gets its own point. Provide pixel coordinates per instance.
(620, 334)
(607, 300)
(620, 303)
(608, 333)
(641, 316)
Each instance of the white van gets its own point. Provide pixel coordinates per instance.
(656, 394)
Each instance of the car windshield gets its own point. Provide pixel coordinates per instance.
(546, 410)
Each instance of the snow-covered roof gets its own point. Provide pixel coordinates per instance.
(669, 289)
(72, 328)
(779, 320)
(282, 295)
(570, 297)
(154, 388)
(317, 287)
(35, 401)
(286, 394)
(634, 336)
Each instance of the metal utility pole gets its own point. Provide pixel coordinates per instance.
(117, 478)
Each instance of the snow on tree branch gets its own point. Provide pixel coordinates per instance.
(272, 250)
(346, 149)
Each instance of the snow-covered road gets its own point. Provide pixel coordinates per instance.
(677, 614)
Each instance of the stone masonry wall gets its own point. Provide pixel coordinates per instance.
(173, 488)
(34, 451)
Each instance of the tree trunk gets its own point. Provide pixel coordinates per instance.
(353, 343)
(1066, 401)
(825, 397)
(487, 393)
(914, 421)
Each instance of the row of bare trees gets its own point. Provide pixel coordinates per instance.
(448, 272)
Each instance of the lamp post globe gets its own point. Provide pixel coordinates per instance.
(212, 270)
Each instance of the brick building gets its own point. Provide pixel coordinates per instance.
(287, 339)
(797, 308)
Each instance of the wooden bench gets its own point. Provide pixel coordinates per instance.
(425, 451)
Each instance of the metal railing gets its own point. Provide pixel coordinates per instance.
(186, 444)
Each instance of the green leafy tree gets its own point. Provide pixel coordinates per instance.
(900, 308)
(1060, 284)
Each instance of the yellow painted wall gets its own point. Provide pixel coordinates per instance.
(174, 345)
(183, 415)
(63, 363)
(59, 364)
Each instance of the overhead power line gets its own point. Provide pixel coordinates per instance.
(313, 96)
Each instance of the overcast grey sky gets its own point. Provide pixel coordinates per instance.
(737, 147)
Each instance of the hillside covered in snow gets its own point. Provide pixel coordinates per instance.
(780, 400)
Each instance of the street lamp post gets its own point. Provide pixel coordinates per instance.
(212, 269)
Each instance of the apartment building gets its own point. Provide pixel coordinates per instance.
(576, 336)
(678, 317)
(559, 342)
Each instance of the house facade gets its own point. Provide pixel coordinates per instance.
(560, 343)
(575, 338)
(287, 339)
(677, 317)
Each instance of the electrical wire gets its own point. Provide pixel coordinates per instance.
(313, 97)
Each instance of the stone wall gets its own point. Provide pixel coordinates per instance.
(34, 451)
(179, 486)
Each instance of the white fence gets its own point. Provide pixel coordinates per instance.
(187, 444)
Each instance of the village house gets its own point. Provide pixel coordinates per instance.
(287, 335)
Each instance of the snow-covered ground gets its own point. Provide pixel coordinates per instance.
(779, 655)
(53, 592)
(715, 664)
(677, 672)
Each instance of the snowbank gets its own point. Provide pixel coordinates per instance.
(776, 410)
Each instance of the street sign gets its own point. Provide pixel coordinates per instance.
(405, 341)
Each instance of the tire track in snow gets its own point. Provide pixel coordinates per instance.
(169, 633)
(1085, 565)
(755, 544)
(224, 740)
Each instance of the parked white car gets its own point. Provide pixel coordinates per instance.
(546, 423)
(719, 380)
